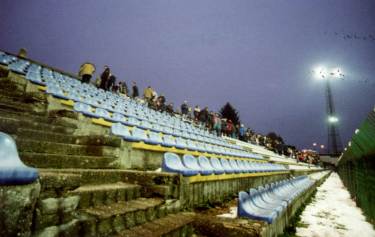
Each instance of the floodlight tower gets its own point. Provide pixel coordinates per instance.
(334, 146)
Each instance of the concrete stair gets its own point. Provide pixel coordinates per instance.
(46, 160)
(171, 225)
(106, 194)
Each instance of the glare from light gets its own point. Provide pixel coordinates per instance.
(356, 131)
(321, 146)
(314, 144)
(333, 119)
(320, 72)
(350, 144)
(337, 73)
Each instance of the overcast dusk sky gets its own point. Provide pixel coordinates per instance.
(258, 55)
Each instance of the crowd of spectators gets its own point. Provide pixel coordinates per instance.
(204, 118)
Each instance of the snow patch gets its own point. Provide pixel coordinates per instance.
(333, 213)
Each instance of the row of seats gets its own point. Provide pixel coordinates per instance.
(190, 165)
(269, 202)
(136, 134)
(12, 170)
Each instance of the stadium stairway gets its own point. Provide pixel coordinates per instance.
(83, 192)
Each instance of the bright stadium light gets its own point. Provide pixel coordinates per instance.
(320, 72)
(333, 119)
(337, 73)
(314, 144)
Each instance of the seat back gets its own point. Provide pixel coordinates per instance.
(204, 163)
(12, 169)
(191, 162)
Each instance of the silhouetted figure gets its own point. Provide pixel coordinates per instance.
(135, 93)
(104, 78)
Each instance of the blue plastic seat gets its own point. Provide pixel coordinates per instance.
(154, 138)
(172, 163)
(191, 145)
(102, 113)
(259, 202)
(226, 166)
(133, 121)
(169, 141)
(216, 165)
(117, 117)
(205, 164)
(84, 108)
(120, 130)
(192, 163)
(234, 165)
(181, 143)
(12, 170)
(139, 134)
(246, 208)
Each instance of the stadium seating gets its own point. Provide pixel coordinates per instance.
(269, 202)
(114, 108)
(205, 166)
(12, 170)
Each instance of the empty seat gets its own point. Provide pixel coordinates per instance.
(139, 134)
(259, 202)
(84, 108)
(234, 165)
(216, 165)
(246, 208)
(205, 164)
(192, 163)
(181, 143)
(169, 141)
(123, 131)
(226, 166)
(154, 138)
(12, 170)
(172, 163)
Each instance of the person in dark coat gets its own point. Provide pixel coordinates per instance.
(135, 93)
(184, 109)
(111, 82)
(104, 78)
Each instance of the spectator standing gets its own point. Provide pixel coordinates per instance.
(111, 83)
(86, 71)
(203, 116)
(104, 78)
(184, 109)
(135, 93)
(241, 132)
(169, 108)
(148, 94)
(197, 111)
(160, 103)
(217, 124)
(229, 128)
(123, 89)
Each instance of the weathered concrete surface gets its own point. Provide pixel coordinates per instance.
(16, 208)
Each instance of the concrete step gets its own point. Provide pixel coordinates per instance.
(106, 220)
(106, 194)
(19, 106)
(11, 125)
(45, 160)
(104, 176)
(54, 119)
(94, 140)
(32, 146)
(179, 224)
